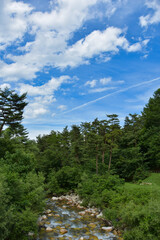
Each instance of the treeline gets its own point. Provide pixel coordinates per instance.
(95, 159)
(103, 145)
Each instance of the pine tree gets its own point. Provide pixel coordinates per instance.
(151, 132)
(11, 109)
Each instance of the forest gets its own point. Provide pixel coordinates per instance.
(113, 167)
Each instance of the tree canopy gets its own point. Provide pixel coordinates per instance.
(11, 108)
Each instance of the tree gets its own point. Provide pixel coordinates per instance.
(151, 132)
(11, 109)
(112, 135)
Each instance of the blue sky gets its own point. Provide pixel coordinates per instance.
(79, 60)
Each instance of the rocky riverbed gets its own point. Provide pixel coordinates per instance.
(66, 219)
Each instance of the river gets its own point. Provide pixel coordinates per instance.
(65, 221)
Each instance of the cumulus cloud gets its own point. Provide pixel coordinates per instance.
(91, 83)
(14, 21)
(41, 97)
(105, 81)
(34, 110)
(46, 89)
(108, 41)
(151, 18)
(4, 85)
(50, 32)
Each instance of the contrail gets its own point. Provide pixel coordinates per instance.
(110, 94)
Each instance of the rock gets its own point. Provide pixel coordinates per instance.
(63, 231)
(82, 213)
(107, 229)
(145, 183)
(44, 217)
(57, 215)
(93, 237)
(54, 198)
(31, 234)
(99, 215)
(49, 229)
(80, 207)
(92, 225)
(50, 215)
(48, 211)
(47, 223)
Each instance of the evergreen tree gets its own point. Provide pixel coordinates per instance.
(11, 109)
(112, 135)
(150, 144)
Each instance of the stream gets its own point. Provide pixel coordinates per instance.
(66, 221)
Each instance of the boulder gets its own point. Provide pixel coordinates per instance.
(54, 198)
(49, 229)
(44, 217)
(50, 214)
(63, 231)
(30, 234)
(48, 211)
(99, 215)
(107, 229)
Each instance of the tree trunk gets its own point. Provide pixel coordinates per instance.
(97, 160)
(1, 127)
(110, 159)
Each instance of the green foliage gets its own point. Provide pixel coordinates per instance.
(11, 109)
(151, 132)
(20, 161)
(68, 177)
(52, 184)
(91, 159)
(21, 195)
(135, 209)
(93, 188)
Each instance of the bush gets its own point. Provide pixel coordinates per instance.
(92, 188)
(52, 184)
(68, 178)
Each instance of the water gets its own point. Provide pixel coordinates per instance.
(78, 227)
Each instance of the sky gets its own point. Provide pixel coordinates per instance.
(79, 59)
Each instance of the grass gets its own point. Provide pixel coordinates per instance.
(154, 178)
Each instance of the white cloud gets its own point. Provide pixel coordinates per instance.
(5, 85)
(62, 107)
(45, 89)
(14, 20)
(41, 97)
(138, 46)
(151, 18)
(94, 44)
(34, 110)
(105, 81)
(108, 41)
(91, 83)
(53, 29)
